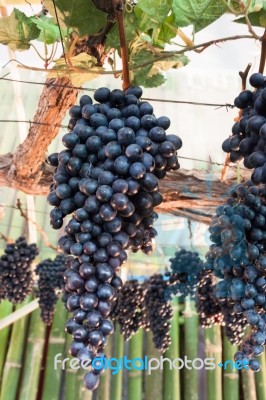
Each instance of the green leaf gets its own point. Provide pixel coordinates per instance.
(83, 69)
(156, 11)
(131, 22)
(199, 13)
(49, 31)
(49, 5)
(151, 75)
(256, 19)
(142, 78)
(167, 30)
(17, 30)
(80, 15)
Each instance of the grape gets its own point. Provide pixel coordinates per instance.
(159, 311)
(15, 270)
(185, 266)
(108, 180)
(237, 258)
(129, 309)
(248, 134)
(207, 304)
(50, 277)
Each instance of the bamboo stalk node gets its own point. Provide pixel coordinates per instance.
(12, 364)
(212, 348)
(55, 340)
(231, 375)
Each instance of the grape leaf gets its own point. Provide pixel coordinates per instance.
(151, 75)
(17, 30)
(49, 5)
(80, 15)
(167, 30)
(83, 69)
(112, 40)
(49, 31)
(142, 78)
(199, 13)
(256, 19)
(156, 11)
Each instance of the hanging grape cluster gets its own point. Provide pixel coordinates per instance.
(159, 311)
(238, 232)
(185, 267)
(129, 310)
(248, 139)
(50, 280)
(15, 270)
(108, 178)
(208, 306)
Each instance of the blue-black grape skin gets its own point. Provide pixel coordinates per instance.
(108, 180)
(237, 258)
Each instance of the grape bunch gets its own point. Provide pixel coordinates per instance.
(208, 306)
(107, 178)
(50, 279)
(248, 139)
(238, 257)
(129, 310)
(159, 311)
(15, 270)
(185, 268)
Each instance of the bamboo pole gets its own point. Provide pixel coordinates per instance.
(33, 358)
(105, 379)
(13, 364)
(213, 349)
(154, 381)
(52, 377)
(117, 379)
(230, 378)
(191, 378)
(5, 309)
(71, 376)
(134, 375)
(248, 385)
(260, 379)
(171, 377)
(20, 312)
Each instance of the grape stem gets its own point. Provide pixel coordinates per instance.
(40, 230)
(119, 10)
(263, 52)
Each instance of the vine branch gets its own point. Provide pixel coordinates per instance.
(119, 10)
(263, 52)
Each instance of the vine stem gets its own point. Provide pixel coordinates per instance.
(263, 52)
(41, 231)
(119, 10)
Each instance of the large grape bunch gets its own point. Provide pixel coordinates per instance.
(238, 257)
(185, 267)
(208, 306)
(15, 270)
(129, 310)
(108, 177)
(50, 281)
(248, 139)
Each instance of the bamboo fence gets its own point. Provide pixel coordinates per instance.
(28, 348)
